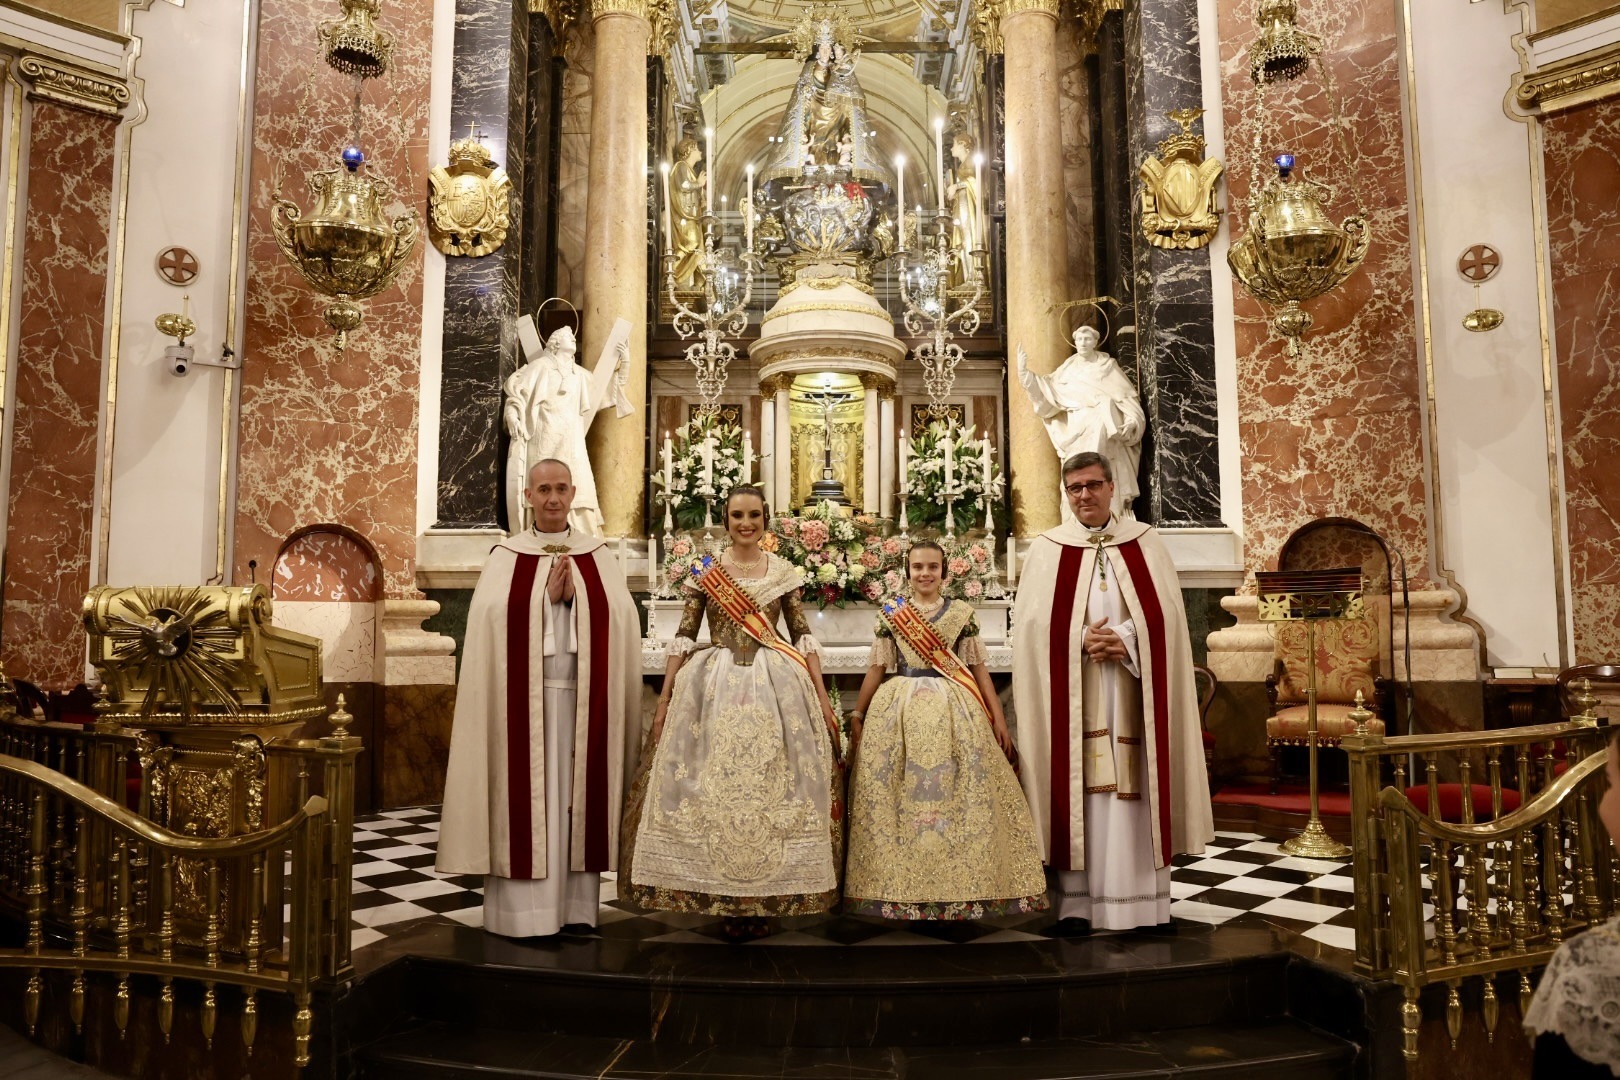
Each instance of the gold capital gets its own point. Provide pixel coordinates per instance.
(74, 86)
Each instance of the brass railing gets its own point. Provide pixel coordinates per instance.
(1502, 893)
(102, 888)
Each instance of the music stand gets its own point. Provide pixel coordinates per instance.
(1311, 596)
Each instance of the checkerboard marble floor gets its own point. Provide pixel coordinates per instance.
(1242, 879)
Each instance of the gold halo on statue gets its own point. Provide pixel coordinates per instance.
(560, 300)
(1091, 301)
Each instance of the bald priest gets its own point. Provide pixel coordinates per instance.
(1108, 730)
(547, 721)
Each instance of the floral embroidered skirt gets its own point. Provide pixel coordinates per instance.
(938, 824)
(739, 808)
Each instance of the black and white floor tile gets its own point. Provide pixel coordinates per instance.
(1242, 879)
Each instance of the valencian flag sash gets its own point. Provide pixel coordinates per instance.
(711, 577)
(904, 619)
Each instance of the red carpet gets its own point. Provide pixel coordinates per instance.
(1290, 799)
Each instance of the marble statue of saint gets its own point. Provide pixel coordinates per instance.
(687, 203)
(1089, 404)
(550, 404)
(967, 209)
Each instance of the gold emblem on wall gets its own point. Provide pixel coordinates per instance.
(470, 201)
(1478, 265)
(1178, 189)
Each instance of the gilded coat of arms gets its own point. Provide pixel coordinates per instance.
(470, 201)
(1178, 189)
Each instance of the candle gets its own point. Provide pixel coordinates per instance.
(950, 462)
(748, 211)
(708, 168)
(669, 212)
(1012, 560)
(669, 466)
(984, 456)
(900, 197)
(708, 463)
(905, 464)
(978, 183)
(652, 563)
(748, 458)
(939, 159)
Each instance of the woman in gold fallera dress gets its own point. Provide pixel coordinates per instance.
(737, 807)
(939, 828)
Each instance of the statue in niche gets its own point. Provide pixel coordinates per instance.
(550, 403)
(687, 204)
(967, 209)
(1088, 404)
(826, 123)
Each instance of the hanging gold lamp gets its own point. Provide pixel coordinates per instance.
(1293, 252)
(346, 247)
(1283, 51)
(355, 44)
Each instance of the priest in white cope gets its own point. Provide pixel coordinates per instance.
(1107, 713)
(547, 721)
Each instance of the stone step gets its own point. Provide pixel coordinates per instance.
(1271, 1050)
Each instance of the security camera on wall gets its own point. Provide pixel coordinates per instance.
(179, 358)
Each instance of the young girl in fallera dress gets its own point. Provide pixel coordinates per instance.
(737, 807)
(939, 827)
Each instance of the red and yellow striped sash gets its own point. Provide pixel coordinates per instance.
(906, 621)
(717, 585)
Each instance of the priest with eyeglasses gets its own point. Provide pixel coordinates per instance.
(1107, 713)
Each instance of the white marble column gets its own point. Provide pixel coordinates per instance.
(1037, 259)
(784, 449)
(616, 251)
(872, 443)
(887, 448)
(767, 452)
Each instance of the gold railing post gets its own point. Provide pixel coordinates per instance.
(339, 751)
(1372, 956)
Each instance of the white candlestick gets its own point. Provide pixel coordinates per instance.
(708, 168)
(669, 467)
(950, 465)
(748, 458)
(669, 211)
(905, 464)
(652, 563)
(1012, 561)
(984, 456)
(900, 197)
(708, 464)
(748, 211)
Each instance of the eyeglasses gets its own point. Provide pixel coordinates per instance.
(1088, 486)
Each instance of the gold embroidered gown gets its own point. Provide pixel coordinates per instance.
(938, 824)
(737, 810)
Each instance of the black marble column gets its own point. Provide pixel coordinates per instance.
(1175, 344)
(481, 295)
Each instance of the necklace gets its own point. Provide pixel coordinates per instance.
(747, 568)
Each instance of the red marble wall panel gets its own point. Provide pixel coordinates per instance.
(1337, 432)
(330, 436)
(58, 377)
(1582, 148)
(326, 565)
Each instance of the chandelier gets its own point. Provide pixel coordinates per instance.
(925, 290)
(728, 286)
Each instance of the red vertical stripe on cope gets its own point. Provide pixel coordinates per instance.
(596, 716)
(1057, 641)
(519, 772)
(1158, 675)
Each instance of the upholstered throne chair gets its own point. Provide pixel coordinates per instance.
(1351, 654)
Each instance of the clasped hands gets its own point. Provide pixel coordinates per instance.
(1103, 644)
(560, 582)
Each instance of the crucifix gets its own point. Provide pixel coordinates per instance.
(829, 488)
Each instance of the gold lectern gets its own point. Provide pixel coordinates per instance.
(1311, 596)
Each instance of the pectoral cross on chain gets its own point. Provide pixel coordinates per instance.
(1102, 560)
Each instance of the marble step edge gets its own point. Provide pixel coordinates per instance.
(1278, 1048)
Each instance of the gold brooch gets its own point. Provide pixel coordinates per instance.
(556, 549)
